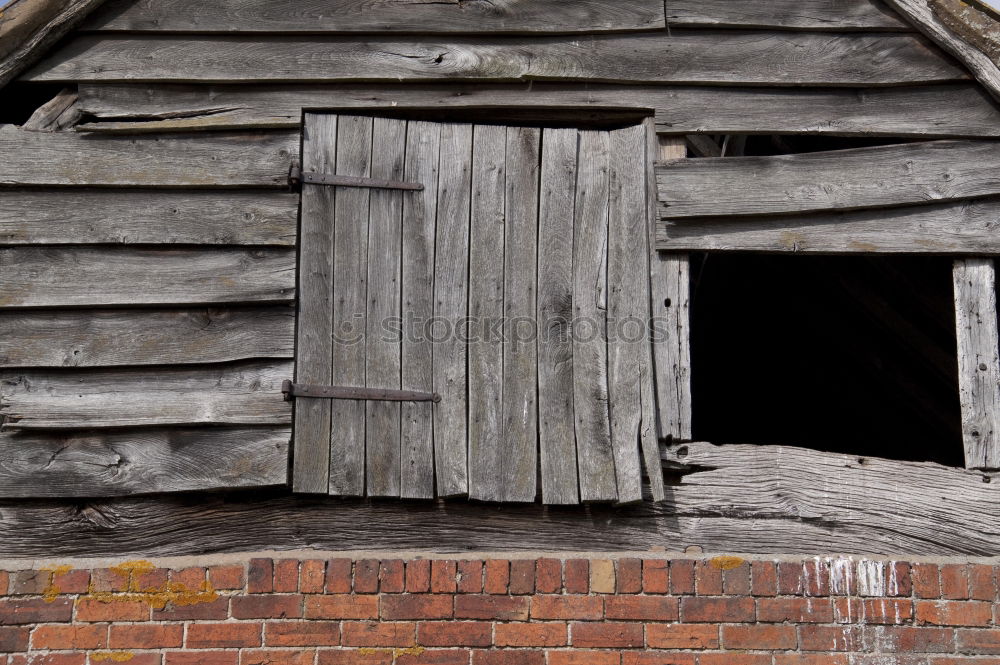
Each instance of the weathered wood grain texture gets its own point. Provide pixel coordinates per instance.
(222, 160)
(519, 442)
(247, 393)
(752, 499)
(147, 217)
(878, 177)
(920, 14)
(381, 16)
(383, 342)
(108, 338)
(423, 149)
(939, 111)
(719, 57)
(556, 430)
(311, 452)
(63, 277)
(596, 461)
(486, 308)
(56, 114)
(29, 29)
(975, 23)
(957, 227)
(351, 210)
(978, 361)
(451, 302)
(844, 16)
(42, 465)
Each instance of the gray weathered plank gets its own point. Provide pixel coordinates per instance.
(106, 338)
(556, 435)
(747, 57)
(486, 310)
(956, 227)
(382, 339)
(222, 160)
(247, 393)
(978, 361)
(45, 465)
(351, 210)
(60, 112)
(845, 15)
(519, 442)
(590, 350)
(147, 217)
(311, 456)
(63, 277)
(939, 111)
(423, 141)
(451, 295)
(877, 177)
(414, 16)
(628, 305)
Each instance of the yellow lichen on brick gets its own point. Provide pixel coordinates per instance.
(173, 593)
(395, 653)
(726, 562)
(113, 656)
(51, 590)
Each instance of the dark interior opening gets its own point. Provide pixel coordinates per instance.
(20, 100)
(842, 354)
(527, 116)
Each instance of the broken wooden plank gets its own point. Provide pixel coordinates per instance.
(879, 177)
(423, 149)
(846, 15)
(672, 344)
(311, 458)
(45, 465)
(451, 299)
(556, 435)
(978, 361)
(63, 277)
(247, 393)
(105, 338)
(222, 160)
(383, 343)
(957, 227)
(738, 57)
(939, 111)
(147, 217)
(411, 16)
(55, 114)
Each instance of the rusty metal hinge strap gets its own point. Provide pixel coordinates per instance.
(298, 177)
(292, 390)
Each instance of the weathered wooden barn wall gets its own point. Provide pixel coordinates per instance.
(148, 261)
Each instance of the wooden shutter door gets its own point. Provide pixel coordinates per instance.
(514, 285)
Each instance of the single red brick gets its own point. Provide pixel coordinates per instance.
(267, 607)
(497, 576)
(341, 606)
(978, 641)
(392, 576)
(580, 608)
(443, 576)
(580, 657)
(418, 576)
(470, 576)
(216, 610)
(106, 579)
(286, 576)
(379, 634)
(227, 577)
(338, 575)
(15, 638)
(830, 638)
(577, 573)
(147, 636)
(764, 578)
(497, 608)
(954, 613)
(607, 635)
(680, 636)
(70, 582)
(629, 576)
(546, 634)
(926, 583)
(223, 635)
(982, 582)
(260, 576)
(548, 576)
(271, 657)
(366, 576)
(21, 611)
(816, 577)
(910, 639)
(955, 581)
(28, 582)
(435, 657)
(91, 609)
(758, 638)
(312, 576)
(641, 608)
(455, 633)
(417, 607)
(354, 657)
(302, 633)
(511, 657)
(201, 658)
(736, 581)
(810, 659)
(4, 582)
(730, 658)
(899, 582)
(190, 578)
(789, 578)
(682, 576)
(136, 659)
(886, 610)
(522, 576)
(653, 658)
(708, 579)
(717, 610)
(655, 576)
(794, 610)
(149, 580)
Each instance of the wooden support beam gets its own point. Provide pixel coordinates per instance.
(978, 361)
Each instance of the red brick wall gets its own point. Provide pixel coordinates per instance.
(629, 611)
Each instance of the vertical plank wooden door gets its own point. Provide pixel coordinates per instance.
(514, 284)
